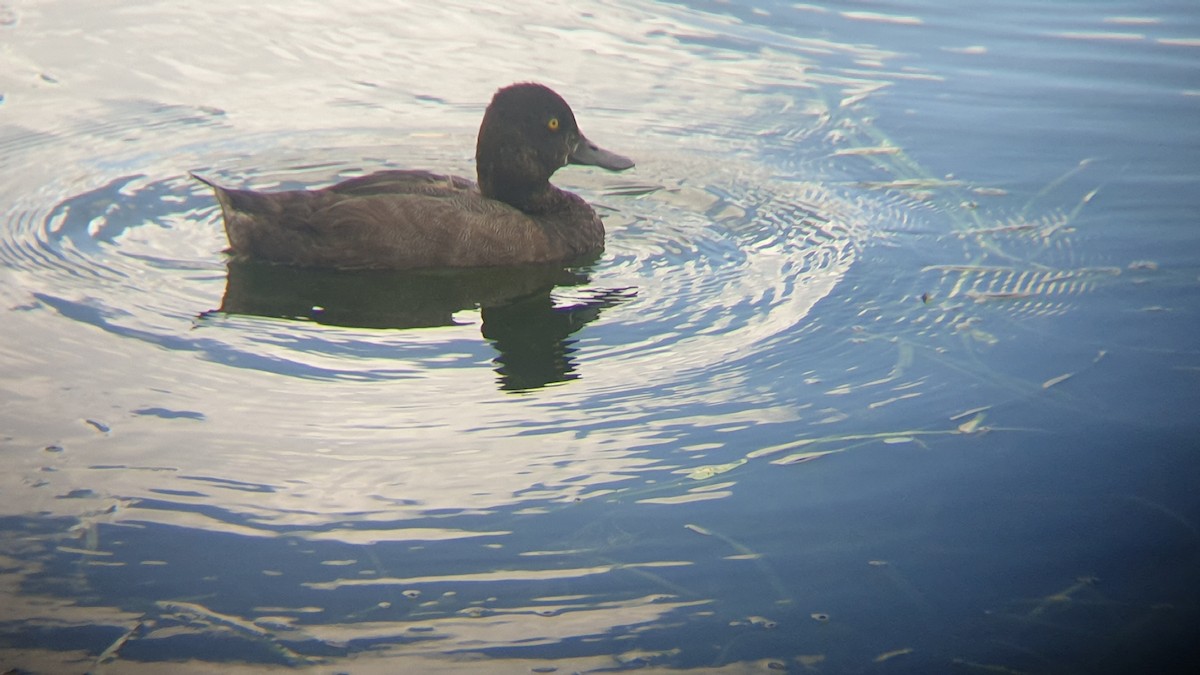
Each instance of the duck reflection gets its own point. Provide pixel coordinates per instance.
(520, 318)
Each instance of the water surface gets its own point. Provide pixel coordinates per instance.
(889, 364)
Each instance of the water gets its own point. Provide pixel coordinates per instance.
(889, 365)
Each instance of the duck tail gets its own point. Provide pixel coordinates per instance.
(228, 208)
(239, 210)
(221, 193)
(204, 180)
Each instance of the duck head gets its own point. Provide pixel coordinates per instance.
(528, 133)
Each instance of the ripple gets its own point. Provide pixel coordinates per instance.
(741, 234)
(696, 274)
(726, 266)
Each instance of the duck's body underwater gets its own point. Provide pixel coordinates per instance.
(417, 219)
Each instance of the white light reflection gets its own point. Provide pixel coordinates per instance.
(308, 85)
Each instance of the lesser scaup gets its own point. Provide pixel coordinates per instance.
(417, 219)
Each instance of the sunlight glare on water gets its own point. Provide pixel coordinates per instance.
(721, 255)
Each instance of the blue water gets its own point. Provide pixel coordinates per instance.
(889, 364)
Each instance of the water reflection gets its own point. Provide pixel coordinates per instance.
(317, 601)
(531, 336)
(521, 318)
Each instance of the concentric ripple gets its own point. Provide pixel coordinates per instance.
(757, 191)
(715, 269)
(699, 272)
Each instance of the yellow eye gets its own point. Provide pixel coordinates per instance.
(552, 125)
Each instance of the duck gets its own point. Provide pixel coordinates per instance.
(414, 219)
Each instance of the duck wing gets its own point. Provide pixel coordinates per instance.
(412, 230)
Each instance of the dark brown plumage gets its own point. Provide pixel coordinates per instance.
(417, 219)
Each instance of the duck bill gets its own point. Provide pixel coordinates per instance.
(590, 154)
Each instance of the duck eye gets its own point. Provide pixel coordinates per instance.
(552, 125)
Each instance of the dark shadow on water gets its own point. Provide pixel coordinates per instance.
(522, 320)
